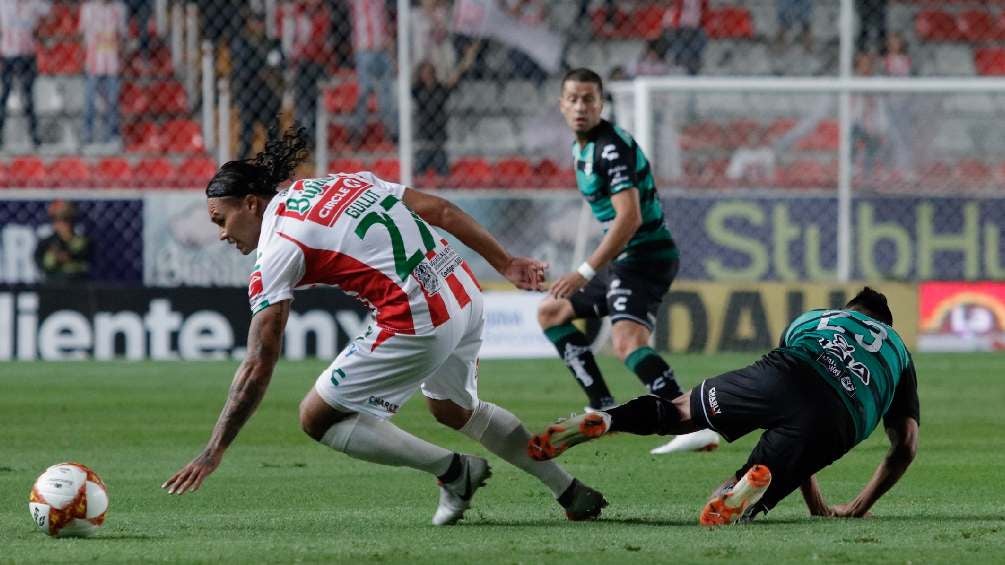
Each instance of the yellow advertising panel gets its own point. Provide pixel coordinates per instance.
(709, 317)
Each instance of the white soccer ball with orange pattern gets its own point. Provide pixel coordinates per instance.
(68, 500)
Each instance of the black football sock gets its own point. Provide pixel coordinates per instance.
(574, 349)
(453, 471)
(645, 415)
(654, 372)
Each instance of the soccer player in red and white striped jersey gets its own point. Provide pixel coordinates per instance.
(376, 240)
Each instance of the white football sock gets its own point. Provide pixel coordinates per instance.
(502, 433)
(366, 437)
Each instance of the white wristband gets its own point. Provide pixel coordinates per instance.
(586, 271)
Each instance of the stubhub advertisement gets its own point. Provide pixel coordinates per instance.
(511, 329)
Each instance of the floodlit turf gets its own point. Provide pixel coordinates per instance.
(278, 497)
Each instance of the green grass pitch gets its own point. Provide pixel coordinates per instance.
(278, 497)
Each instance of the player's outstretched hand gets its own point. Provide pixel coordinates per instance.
(848, 511)
(191, 476)
(525, 273)
(568, 285)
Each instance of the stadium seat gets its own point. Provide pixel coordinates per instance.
(195, 172)
(617, 24)
(349, 165)
(134, 100)
(550, 175)
(338, 137)
(471, 172)
(990, 61)
(515, 172)
(778, 128)
(702, 135)
(974, 173)
(388, 169)
(341, 99)
(375, 139)
(707, 173)
(113, 172)
(742, 132)
(823, 138)
(154, 172)
(936, 25)
(183, 136)
(142, 137)
(979, 26)
(27, 172)
(808, 173)
(157, 65)
(64, 58)
(168, 98)
(428, 179)
(730, 23)
(649, 21)
(68, 172)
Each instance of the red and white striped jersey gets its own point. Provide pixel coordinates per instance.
(18, 19)
(369, 25)
(352, 231)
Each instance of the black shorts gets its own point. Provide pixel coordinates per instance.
(807, 426)
(626, 293)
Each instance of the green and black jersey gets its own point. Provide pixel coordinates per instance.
(610, 162)
(865, 360)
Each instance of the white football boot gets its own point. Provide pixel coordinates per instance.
(455, 496)
(701, 440)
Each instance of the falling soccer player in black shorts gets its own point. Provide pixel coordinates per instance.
(820, 393)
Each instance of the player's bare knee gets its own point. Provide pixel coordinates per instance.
(553, 312)
(310, 426)
(317, 417)
(448, 413)
(622, 347)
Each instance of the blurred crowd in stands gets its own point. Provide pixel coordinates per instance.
(92, 94)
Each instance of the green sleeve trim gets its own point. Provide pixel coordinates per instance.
(261, 306)
(636, 357)
(556, 334)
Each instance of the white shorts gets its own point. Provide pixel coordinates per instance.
(444, 364)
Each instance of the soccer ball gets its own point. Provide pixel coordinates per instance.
(68, 500)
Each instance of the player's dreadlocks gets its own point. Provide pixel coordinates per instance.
(261, 175)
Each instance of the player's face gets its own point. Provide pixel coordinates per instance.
(581, 104)
(239, 220)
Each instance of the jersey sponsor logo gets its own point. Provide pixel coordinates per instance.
(713, 402)
(445, 261)
(838, 355)
(610, 152)
(381, 403)
(426, 277)
(255, 286)
(322, 201)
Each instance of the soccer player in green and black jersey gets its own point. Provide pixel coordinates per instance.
(631, 270)
(834, 376)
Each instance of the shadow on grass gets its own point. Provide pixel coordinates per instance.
(124, 536)
(536, 523)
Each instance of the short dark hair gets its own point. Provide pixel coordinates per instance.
(583, 74)
(261, 175)
(873, 303)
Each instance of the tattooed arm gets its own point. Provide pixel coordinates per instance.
(265, 340)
